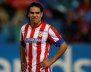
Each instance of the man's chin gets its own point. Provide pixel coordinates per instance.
(35, 22)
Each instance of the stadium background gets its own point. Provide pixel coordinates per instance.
(72, 19)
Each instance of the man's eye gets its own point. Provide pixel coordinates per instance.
(37, 12)
(34, 12)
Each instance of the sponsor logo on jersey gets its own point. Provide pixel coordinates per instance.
(32, 40)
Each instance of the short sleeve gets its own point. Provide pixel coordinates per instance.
(22, 38)
(54, 36)
(21, 35)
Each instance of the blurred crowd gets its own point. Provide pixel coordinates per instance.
(72, 19)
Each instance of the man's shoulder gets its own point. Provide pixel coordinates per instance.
(47, 24)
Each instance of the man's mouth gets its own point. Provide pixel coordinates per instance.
(34, 18)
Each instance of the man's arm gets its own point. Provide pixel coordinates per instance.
(22, 54)
(23, 58)
(59, 53)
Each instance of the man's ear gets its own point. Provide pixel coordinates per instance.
(41, 14)
(28, 15)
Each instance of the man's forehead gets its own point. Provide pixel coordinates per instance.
(34, 9)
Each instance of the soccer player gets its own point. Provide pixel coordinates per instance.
(36, 38)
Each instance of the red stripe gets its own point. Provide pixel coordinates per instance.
(46, 51)
(55, 31)
(50, 38)
(39, 48)
(30, 51)
(26, 30)
(50, 69)
(46, 70)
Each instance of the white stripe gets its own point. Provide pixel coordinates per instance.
(50, 69)
(22, 30)
(27, 44)
(34, 57)
(45, 33)
(34, 50)
(43, 48)
(43, 45)
(52, 34)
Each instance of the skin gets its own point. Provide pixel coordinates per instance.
(22, 58)
(46, 63)
(35, 16)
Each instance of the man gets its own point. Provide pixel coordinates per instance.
(36, 38)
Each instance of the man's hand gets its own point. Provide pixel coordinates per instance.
(44, 64)
(23, 67)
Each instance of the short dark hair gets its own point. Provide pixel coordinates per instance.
(34, 4)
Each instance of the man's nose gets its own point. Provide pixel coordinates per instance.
(34, 14)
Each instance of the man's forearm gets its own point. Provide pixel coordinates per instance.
(59, 52)
(23, 59)
(22, 54)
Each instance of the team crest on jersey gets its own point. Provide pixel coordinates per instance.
(40, 34)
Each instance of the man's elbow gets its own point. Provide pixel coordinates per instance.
(64, 45)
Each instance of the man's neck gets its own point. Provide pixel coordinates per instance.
(35, 24)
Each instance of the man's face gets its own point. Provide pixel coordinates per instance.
(35, 15)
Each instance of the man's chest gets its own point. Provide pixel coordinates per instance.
(35, 35)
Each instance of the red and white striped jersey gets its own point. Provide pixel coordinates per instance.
(38, 40)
